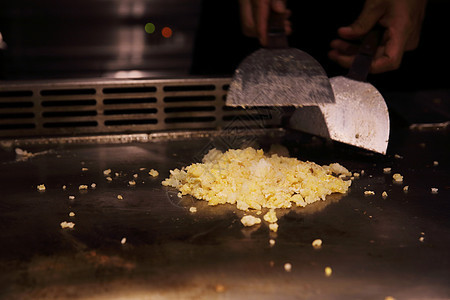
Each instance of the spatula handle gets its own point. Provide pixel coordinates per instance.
(361, 65)
(276, 36)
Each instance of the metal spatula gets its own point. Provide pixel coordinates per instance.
(278, 75)
(360, 116)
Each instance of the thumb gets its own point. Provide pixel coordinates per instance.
(278, 6)
(366, 20)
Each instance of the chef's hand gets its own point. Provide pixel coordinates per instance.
(254, 16)
(402, 21)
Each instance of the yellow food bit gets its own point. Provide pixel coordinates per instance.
(142, 169)
(317, 243)
(369, 193)
(193, 209)
(132, 183)
(387, 170)
(252, 180)
(406, 188)
(421, 239)
(356, 175)
(93, 186)
(220, 288)
(123, 241)
(389, 298)
(107, 172)
(64, 187)
(287, 267)
(384, 195)
(273, 227)
(83, 187)
(153, 173)
(120, 197)
(272, 242)
(109, 178)
(71, 214)
(328, 271)
(434, 190)
(338, 169)
(65, 225)
(250, 220)
(71, 197)
(41, 187)
(271, 216)
(84, 169)
(397, 177)
(135, 175)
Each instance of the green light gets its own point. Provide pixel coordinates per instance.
(149, 28)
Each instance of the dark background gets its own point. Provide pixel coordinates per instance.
(106, 38)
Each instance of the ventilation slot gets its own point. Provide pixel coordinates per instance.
(19, 104)
(129, 101)
(175, 99)
(70, 124)
(129, 90)
(131, 122)
(64, 103)
(189, 109)
(10, 94)
(69, 114)
(139, 111)
(248, 117)
(190, 120)
(238, 108)
(16, 114)
(25, 115)
(68, 92)
(17, 126)
(189, 88)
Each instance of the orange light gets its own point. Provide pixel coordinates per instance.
(166, 32)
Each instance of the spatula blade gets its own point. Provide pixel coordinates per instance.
(359, 117)
(279, 77)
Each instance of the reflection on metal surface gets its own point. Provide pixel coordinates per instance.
(95, 38)
(215, 135)
(171, 253)
(3, 45)
(132, 8)
(131, 45)
(430, 127)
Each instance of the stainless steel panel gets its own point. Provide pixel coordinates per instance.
(61, 108)
(373, 245)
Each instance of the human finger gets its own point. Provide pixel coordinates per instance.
(390, 53)
(371, 13)
(344, 47)
(261, 15)
(248, 24)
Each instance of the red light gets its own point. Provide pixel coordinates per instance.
(166, 32)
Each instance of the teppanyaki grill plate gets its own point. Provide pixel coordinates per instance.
(372, 244)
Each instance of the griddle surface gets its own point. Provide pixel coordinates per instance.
(372, 244)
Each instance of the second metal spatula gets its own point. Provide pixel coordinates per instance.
(360, 116)
(278, 75)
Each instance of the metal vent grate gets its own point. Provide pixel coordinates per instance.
(61, 108)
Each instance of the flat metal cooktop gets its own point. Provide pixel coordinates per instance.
(398, 246)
